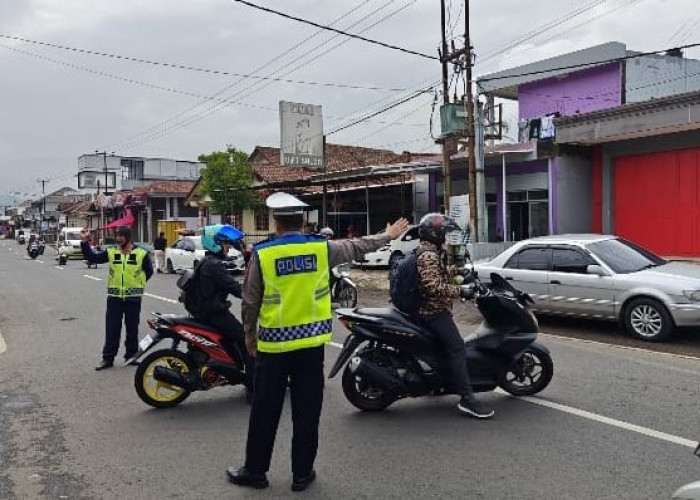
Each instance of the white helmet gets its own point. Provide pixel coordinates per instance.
(327, 232)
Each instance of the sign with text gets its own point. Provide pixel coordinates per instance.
(459, 211)
(301, 135)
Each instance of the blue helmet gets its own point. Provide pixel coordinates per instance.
(213, 236)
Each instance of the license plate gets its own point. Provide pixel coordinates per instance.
(146, 342)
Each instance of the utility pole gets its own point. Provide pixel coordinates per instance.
(471, 146)
(43, 202)
(446, 142)
(103, 154)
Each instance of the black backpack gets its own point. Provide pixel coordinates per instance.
(190, 294)
(404, 283)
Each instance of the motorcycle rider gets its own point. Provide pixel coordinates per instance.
(216, 283)
(435, 313)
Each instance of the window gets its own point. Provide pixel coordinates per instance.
(534, 259)
(568, 260)
(132, 169)
(262, 219)
(188, 245)
(624, 256)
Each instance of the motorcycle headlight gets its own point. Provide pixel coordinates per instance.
(693, 295)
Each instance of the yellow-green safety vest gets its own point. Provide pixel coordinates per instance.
(296, 304)
(127, 278)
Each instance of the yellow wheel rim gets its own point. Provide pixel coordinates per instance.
(160, 391)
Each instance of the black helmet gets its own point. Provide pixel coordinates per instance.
(124, 231)
(434, 228)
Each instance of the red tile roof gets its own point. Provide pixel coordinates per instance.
(265, 162)
(165, 187)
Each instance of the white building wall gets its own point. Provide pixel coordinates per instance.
(652, 77)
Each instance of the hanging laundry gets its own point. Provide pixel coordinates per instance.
(535, 128)
(523, 130)
(548, 131)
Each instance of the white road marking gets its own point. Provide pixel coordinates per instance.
(164, 299)
(615, 346)
(645, 431)
(40, 261)
(688, 443)
(92, 277)
(60, 268)
(3, 345)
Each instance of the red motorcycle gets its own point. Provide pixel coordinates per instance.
(166, 377)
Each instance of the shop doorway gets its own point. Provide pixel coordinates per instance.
(528, 214)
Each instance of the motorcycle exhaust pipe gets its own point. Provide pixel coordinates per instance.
(168, 376)
(376, 375)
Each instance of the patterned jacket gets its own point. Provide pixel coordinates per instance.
(434, 280)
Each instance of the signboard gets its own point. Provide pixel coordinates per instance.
(459, 211)
(88, 180)
(301, 127)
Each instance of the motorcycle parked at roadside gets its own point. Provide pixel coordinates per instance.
(166, 377)
(388, 357)
(343, 290)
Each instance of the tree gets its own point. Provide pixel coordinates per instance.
(228, 179)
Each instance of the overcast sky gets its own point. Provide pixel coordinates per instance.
(54, 107)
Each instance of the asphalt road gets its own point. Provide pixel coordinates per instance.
(615, 422)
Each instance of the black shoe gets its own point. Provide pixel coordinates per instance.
(302, 483)
(472, 407)
(104, 364)
(242, 477)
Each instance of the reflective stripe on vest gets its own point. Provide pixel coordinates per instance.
(296, 306)
(127, 278)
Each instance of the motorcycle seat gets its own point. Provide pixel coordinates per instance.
(390, 314)
(187, 321)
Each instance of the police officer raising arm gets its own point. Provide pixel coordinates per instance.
(287, 320)
(129, 269)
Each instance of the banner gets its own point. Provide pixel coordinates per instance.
(459, 211)
(301, 127)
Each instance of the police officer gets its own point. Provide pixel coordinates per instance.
(287, 320)
(129, 269)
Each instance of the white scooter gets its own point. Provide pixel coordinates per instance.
(690, 491)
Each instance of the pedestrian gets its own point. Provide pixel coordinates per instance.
(159, 247)
(129, 269)
(287, 320)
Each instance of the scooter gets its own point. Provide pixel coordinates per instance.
(166, 377)
(388, 357)
(343, 290)
(20, 239)
(690, 491)
(35, 249)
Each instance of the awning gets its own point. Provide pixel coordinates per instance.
(127, 220)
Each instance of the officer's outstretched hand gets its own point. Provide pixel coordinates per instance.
(397, 228)
(251, 345)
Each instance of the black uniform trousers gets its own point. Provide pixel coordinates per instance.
(128, 310)
(442, 326)
(233, 339)
(304, 369)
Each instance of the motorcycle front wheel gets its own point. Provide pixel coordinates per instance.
(154, 392)
(530, 374)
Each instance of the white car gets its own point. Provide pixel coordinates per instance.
(390, 253)
(69, 243)
(188, 250)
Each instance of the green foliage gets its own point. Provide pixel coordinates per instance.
(227, 179)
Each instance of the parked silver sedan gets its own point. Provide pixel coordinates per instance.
(603, 277)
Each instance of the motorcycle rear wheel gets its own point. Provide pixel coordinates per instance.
(159, 394)
(362, 395)
(530, 374)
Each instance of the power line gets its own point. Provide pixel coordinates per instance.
(204, 114)
(341, 32)
(152, 132)
(203, 70)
